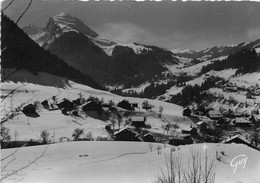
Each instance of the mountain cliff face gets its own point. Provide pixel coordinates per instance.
(108, 62)
(31, 30)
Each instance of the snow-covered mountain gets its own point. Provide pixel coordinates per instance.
(216, 51)
(107, 61)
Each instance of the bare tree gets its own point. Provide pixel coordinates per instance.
(193, 170)
(77, 133)
(89, 136)
(158, 149)
(150, 147)
(160, 111)
(5, 134)
(45, 136)
(113, 120)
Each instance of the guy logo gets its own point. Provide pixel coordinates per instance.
(239, 160)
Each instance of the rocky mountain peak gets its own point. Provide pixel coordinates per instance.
(64, 22)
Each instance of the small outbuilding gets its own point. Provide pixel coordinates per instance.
(191, 130)
(127, 134)
(138, 121)
(239, 139)
(180, 140)
(186, 112)
(94, 110)
(45, 104)
(148, 138)
(242, 122)
(66, 104)
(214, 114)
(125, 105)
(30, 111)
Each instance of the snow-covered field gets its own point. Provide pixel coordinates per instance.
(192, 70)
(120, 162)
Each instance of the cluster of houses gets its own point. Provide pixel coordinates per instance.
(229, 117)
(135, 128)
(251, 92)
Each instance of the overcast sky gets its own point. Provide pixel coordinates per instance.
(193, 25)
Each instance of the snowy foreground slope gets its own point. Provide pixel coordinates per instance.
(120, 162)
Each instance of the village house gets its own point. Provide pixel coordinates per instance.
(239, 139)
(214, 114)
(66, 105)
(30, 111)
(78, 101)
(134, 105)
(186, 112)
(201, 125)
(127, 134)
(94, 110)
(45, 104)
(242, 122)
(180, 140)
(255, 118)
(125, 105)
(249, 95)
(148, 138)
(222, 121)
(191, 130)
(138, 121)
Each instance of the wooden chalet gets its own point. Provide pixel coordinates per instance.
(181, 140)
(249, 95)
(125, 105)
(148, 138)
(45, 104)
(191, 130)
(242, 121)
(201, 125)
(138, 121)
(214, 114)
(30, 111)
(255, 118)
(66, 105)
(186, 112)
(221, 121)
(134, 105)
(77, 101)
(127, 134)
(239, 139)
(94, 110)
(92, 106)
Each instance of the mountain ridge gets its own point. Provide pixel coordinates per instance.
(215, 51)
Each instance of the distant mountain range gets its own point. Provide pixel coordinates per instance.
(216, 51)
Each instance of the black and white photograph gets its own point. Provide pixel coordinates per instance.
(128, 91)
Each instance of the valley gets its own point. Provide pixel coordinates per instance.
(77, 106)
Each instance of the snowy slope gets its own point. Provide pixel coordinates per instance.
(137, 89)
(192, 70)
(119, 162)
